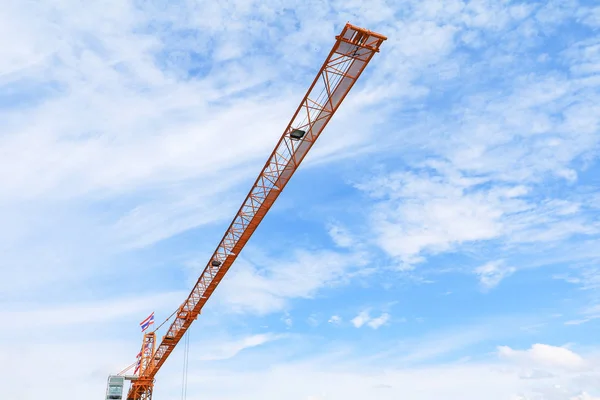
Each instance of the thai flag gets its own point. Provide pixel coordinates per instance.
(147, 322)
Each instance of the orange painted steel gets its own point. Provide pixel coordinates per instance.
(142, 387)
(351, 53)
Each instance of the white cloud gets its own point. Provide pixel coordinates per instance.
(218, 357)
(492, 273)
(327, 376)
(315, 376)
(141, 151)
(363, 318)
(265, 289)
(335, 320)
(109, 144)
(376, 323)
(287, 320)
(26, 316)
(586, 277)
(591, 15)
(577, 321)
(56, 357)
(471, 171)
(340, 236)
(229, 349)
(585, 396)
(543, 355)
(424, 212)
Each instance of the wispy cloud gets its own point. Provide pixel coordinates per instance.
(127, 131)
(492, 273)
(340, 236)
(472, 167)
(229, 349)
(268, 287)
(130, 133)
(364, 318)
(378, 322)
(27, 316)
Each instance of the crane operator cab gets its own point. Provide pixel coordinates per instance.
(114, 389)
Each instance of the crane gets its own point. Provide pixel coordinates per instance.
(353, 49)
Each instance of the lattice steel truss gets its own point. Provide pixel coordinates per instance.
(352, 51)
(142, 387)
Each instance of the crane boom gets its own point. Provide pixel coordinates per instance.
(352, 51)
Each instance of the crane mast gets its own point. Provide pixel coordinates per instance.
(352, 51)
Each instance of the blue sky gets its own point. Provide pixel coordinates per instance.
(445, 225)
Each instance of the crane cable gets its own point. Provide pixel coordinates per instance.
(165, 321)
(186, 363)
(335, 80)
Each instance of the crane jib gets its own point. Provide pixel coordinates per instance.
(352, 51)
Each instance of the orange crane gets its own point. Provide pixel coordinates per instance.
(352, 51)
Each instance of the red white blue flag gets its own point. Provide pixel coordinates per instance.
(147, 322)
(137, 367)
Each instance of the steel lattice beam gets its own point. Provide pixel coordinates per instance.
(351, 53)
